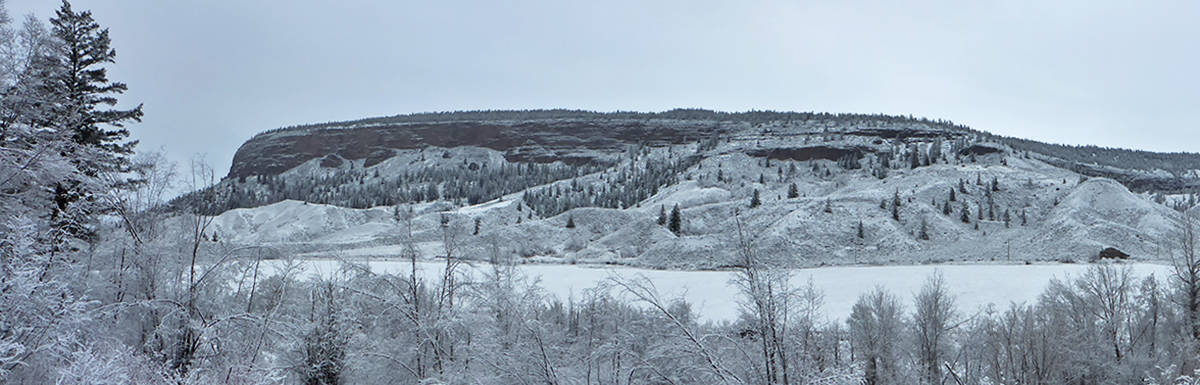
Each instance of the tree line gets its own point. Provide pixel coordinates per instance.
(467, 183)
(754, 117)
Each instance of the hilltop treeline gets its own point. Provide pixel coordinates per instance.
(753, 117)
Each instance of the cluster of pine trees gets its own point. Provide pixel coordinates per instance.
(620, 187)
(985, 209)
(468, 183)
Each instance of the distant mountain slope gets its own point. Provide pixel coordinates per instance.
(827, 185)
(1140, 170)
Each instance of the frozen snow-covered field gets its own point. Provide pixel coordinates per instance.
(715, 299)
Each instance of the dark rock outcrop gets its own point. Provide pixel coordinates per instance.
(810, 152)
(981, 149)
(1113, 253)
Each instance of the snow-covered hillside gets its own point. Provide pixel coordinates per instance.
(841, 196)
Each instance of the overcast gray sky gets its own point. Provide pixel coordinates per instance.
(214, 73)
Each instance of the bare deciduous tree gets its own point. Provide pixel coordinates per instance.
(875, 326)
(767, 295)
(933, 320)
(1186, 272)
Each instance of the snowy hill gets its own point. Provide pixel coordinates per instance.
(846, 177)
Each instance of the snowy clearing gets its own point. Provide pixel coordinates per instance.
(714, 298)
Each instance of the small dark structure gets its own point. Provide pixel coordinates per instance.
(1112, 253)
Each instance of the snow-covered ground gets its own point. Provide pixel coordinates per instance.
(714, 298)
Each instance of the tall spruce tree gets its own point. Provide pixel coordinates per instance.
(991, 207)
(84, 48)
(76, 100)
(896, 205)
(676, 223)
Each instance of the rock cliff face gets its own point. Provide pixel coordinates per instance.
(579, 141)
